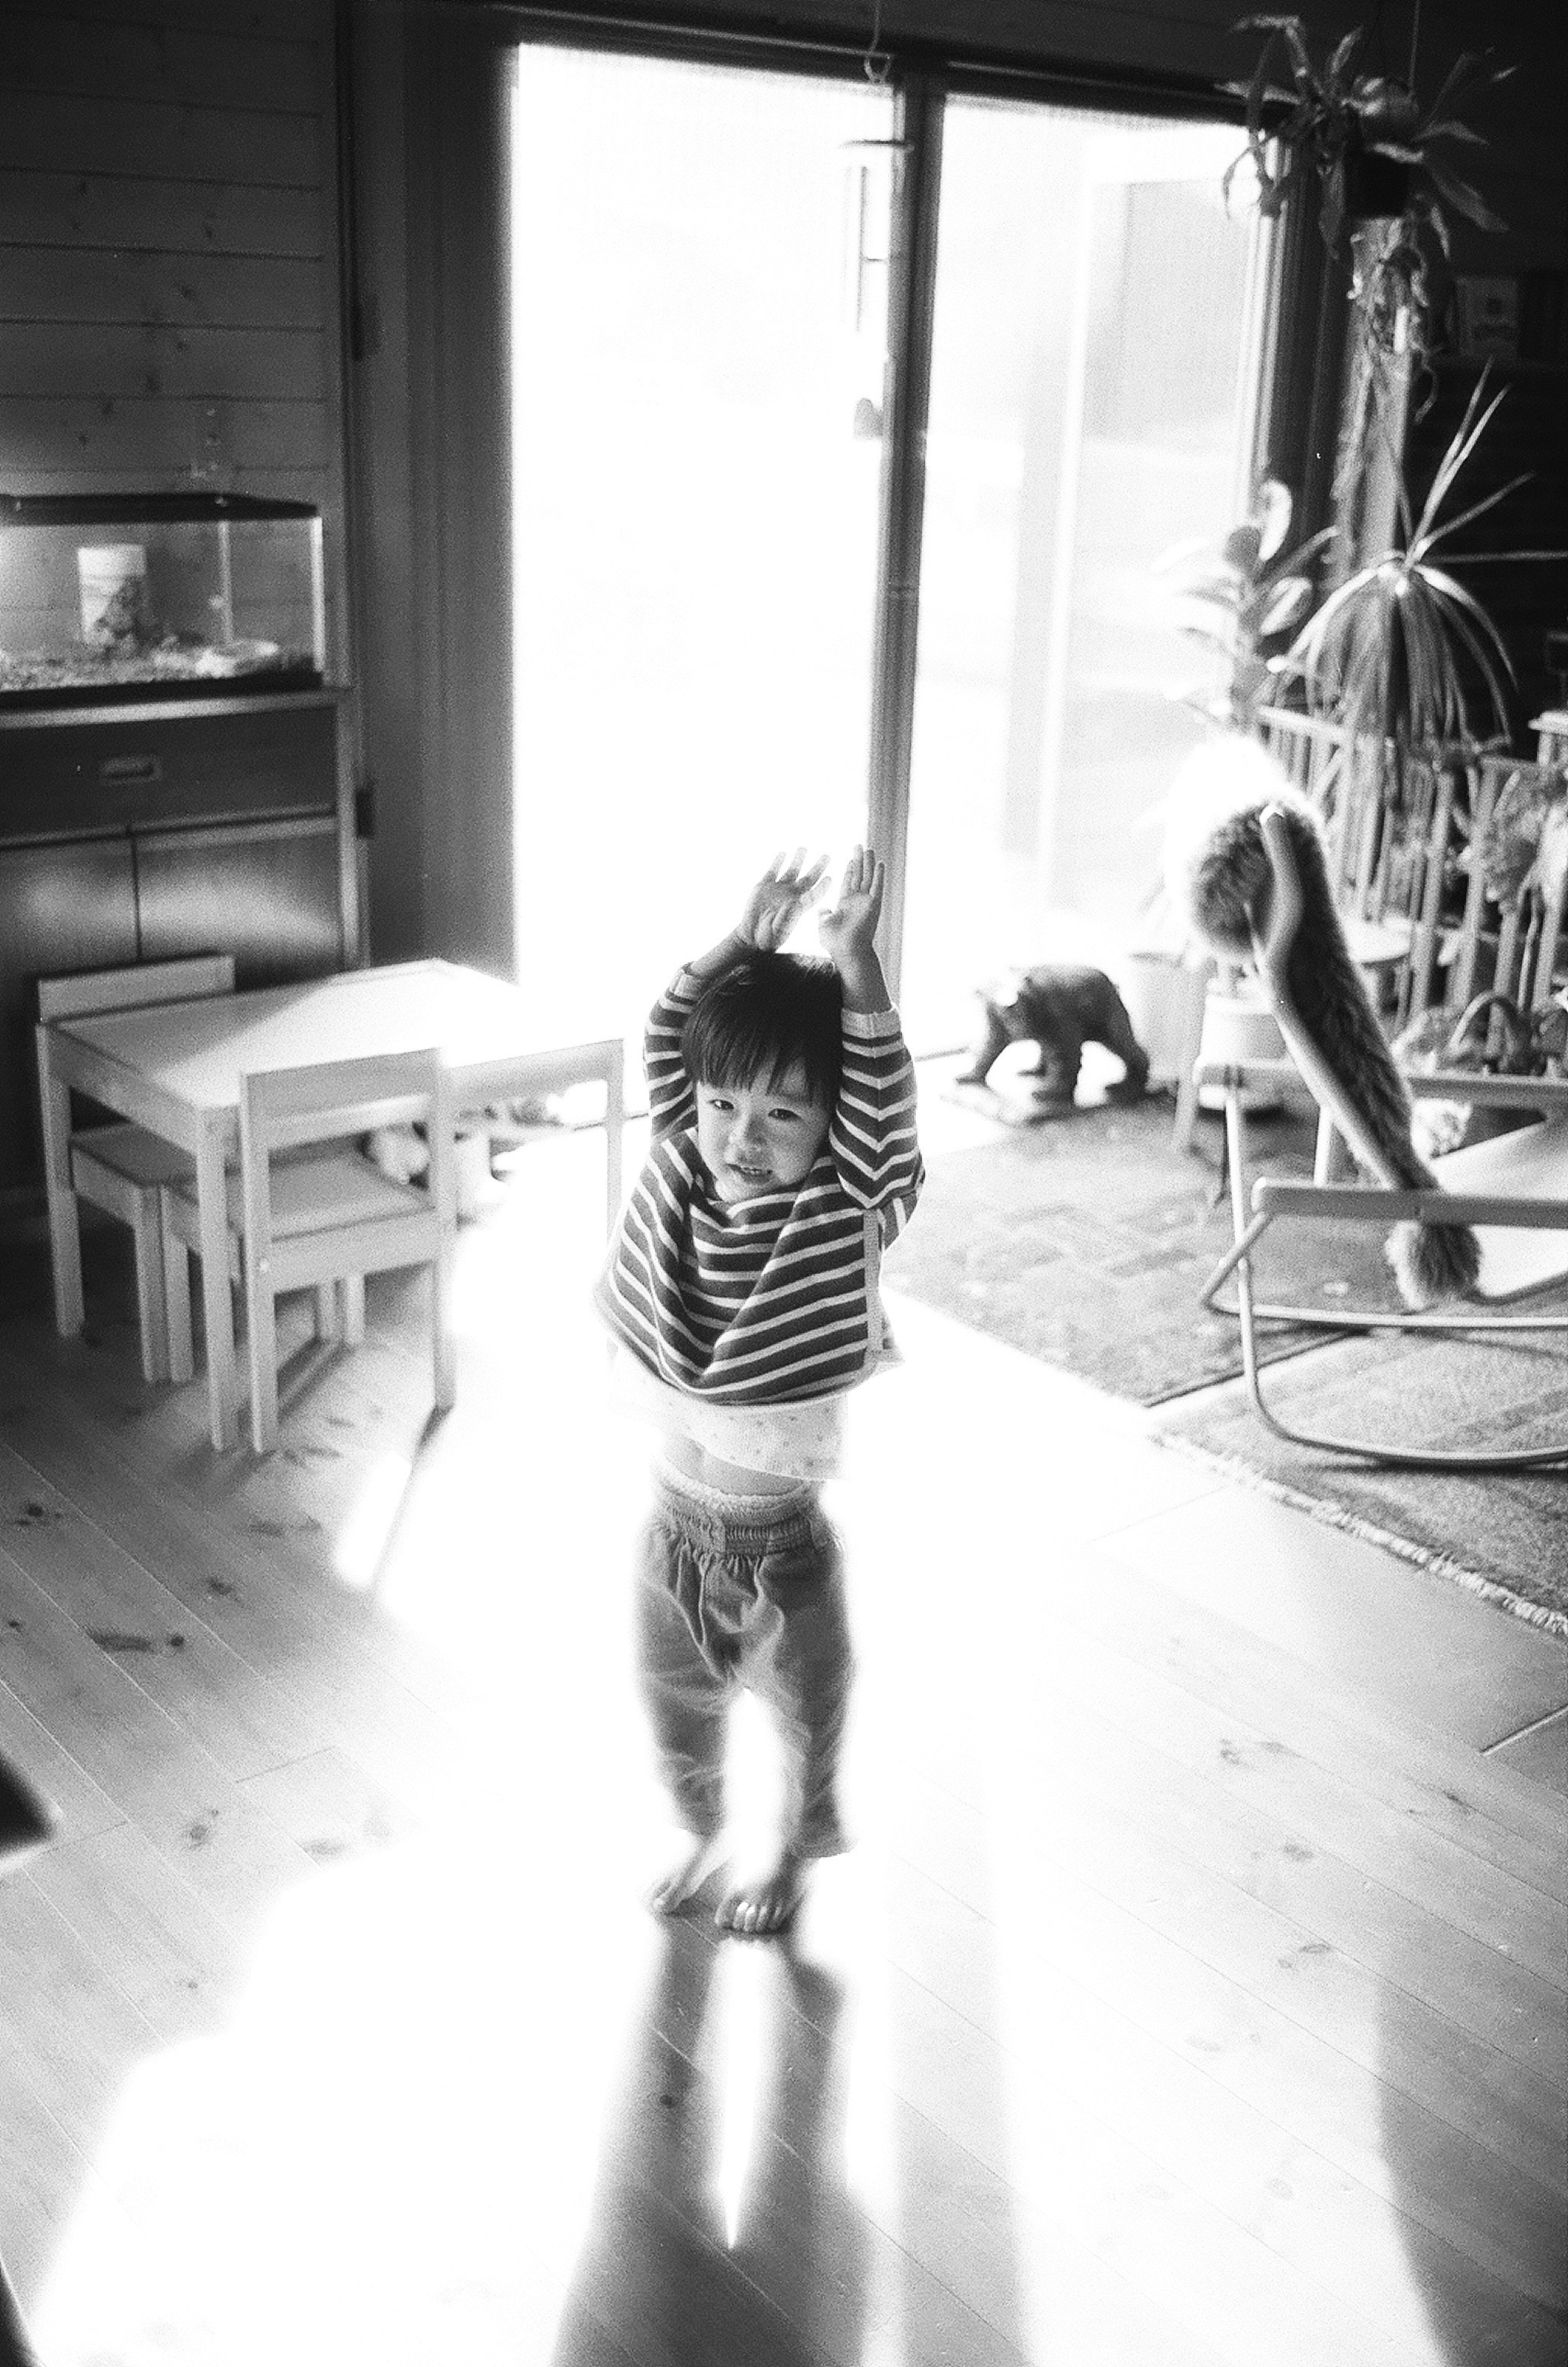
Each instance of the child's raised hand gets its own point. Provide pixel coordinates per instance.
(779, 897)
(848, 928)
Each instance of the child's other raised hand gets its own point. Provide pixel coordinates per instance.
(848, 928)
(779, 897)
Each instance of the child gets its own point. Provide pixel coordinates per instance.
(742, 1292)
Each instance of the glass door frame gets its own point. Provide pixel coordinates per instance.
(921, 83)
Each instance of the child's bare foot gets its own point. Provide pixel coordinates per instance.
(677, 1888)
(765, 1903)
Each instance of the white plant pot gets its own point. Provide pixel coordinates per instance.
(1238, 1028)
(1164, 996)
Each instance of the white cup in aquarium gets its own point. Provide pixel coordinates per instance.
(113, 575)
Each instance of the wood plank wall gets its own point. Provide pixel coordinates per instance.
(169, 305)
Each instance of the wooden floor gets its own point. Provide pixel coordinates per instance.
(1196, 1993)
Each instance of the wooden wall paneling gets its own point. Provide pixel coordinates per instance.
(127, 211)
(53, 361)
(105, 52)
(223, 441)
(181, 290)
(43, 129)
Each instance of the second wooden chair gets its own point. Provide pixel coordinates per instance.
(119, 1167)
(322, 1213)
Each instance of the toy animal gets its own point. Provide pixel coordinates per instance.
(1060, 1007)
(1218, 870)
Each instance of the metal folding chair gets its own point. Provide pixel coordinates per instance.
(1524, 1186)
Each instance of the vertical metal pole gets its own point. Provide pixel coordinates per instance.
(910, 294)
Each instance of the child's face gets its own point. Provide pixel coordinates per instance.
(760, 1138)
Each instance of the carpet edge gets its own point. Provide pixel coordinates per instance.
(1339, 1516)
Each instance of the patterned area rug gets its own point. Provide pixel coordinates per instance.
(1505, 1538)
(1085, 1240)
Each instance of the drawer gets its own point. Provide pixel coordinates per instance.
(122, 771)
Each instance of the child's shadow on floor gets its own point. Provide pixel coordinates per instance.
(721, 2228)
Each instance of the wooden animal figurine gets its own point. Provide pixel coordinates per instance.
(1060, 1007)
(1220, 872)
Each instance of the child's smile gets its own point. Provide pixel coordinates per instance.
(760, 1138)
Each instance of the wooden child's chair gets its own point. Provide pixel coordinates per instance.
(119, 1167)
(307, 1208)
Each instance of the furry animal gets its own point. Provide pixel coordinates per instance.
(1060, 1007)
(1218, 871)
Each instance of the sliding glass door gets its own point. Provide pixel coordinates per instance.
(702, 383)
(699, 262)
(1094, 365)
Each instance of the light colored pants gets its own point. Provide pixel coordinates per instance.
(742, 1590)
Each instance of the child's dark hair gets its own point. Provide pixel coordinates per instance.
(763, 1015)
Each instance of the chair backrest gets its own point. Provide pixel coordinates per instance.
(284, 1109)
(1385, 864)
(140, 982)
(1528, 924)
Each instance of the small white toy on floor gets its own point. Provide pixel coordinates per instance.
(401, 1153)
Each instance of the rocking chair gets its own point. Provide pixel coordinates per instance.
(1517, 1181)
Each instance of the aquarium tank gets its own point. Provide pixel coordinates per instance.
(133, 596)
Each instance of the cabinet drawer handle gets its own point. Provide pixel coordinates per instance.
(122, 769)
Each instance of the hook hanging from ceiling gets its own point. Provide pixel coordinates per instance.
(876, 64)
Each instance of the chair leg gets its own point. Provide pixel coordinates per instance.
(176, 1303)
(326, 1311)
(353, 1309)
(151, 1308)
(444, 1344)
(261, 1343)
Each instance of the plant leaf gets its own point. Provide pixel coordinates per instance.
(1460, 194)
(1476, 509)
(1468, 434)
(1340, 62)
(1286, 604)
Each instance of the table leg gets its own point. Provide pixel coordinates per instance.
(614, 1127)
(64, 1232)
(217, 1306)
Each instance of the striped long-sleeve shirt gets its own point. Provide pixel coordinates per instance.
(771, 1299)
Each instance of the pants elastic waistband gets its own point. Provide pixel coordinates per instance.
(780, 1520)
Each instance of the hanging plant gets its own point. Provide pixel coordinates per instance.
(1365, 138)
(1375, 154)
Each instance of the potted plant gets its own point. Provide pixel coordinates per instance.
(1364, 138)
(1244, 599)
(1380, 160)
(1398, 651)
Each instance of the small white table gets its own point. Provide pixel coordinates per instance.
(175, 1069)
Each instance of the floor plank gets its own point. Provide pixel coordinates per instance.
(1540, 1751)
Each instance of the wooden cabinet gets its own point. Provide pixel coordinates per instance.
(137, 833)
